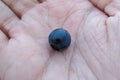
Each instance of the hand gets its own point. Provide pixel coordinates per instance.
(94, 53)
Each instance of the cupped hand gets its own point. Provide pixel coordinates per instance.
(94, 53)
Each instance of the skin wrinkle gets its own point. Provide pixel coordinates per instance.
(70, 67)
(23, 7)
(100, 49)
(65, 17)
(78, 40)
(62, 16)
(108, 44)
(103, 67)
(12, 10)
(106, 7)
(27, 58)
(5, 33)
(94, 55)
(9, 67)
(80, 23)
(70, 62)
(73, 12)
(87, 64)
(98, 45)
(79, 48)
(40, 23)
(86, 60)
(47, 65)
(44, 70)
(97, 61)
(4, 27)
(7, 21)
(3, 38)
(98, 3)
(11, 3)
(68, 14)
(6, 71)
(76, 73)
(8, 29)
(50, 27)
(107, 36)
(109, 1)
(30, 56)
(99, 9)
(34, 19)
(97, 40)
(107, 31)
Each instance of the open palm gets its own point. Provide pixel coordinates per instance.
(94, 53)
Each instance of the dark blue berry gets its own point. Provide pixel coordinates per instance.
(59, 39)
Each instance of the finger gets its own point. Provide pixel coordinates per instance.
(111, 7)
(7, 17)
(20, 6)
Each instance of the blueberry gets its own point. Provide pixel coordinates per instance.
(59, 39)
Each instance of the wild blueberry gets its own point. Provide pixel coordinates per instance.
(59, 39)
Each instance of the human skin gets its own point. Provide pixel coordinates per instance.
(94, 53)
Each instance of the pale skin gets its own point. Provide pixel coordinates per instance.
(94, 53)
